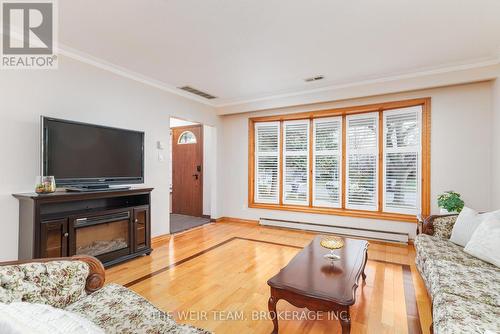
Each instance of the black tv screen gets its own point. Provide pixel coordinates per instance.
(78, 153)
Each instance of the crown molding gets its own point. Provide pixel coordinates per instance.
(121, 71)
(409, 75)
(86, 58)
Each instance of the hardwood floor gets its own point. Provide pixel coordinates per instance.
(215, 277)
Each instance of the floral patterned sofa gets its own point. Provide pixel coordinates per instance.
(77, 285)
(465, 291)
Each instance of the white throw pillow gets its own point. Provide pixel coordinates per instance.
(467, 222)
(485, 242)
(21, 318)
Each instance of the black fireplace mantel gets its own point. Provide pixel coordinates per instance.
(49, 224)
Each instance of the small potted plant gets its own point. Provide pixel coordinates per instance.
(450, 202)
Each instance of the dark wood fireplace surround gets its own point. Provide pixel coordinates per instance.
(49, 224)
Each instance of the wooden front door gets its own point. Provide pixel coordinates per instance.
(187, 170)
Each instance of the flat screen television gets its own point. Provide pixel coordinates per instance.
(89, 156)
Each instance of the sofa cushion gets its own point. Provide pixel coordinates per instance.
(485, 242)
(443, 226)
(22, 318)
(119, 310)
(481, 284)
(56, 283)
(454, 314)
(467, 222)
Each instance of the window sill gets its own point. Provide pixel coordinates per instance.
(338, 212)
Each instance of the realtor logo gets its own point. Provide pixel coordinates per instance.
(29, 35)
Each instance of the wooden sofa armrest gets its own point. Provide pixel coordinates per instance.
(95, 279)
(420, 223)
(426, 225)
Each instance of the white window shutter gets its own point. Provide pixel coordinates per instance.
(402, 160)
(327, 161)
(362, 162)
(267, 155)
(296, 162)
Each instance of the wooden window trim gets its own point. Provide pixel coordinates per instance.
(379, 107)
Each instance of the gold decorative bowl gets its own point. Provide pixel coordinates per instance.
(332, 243)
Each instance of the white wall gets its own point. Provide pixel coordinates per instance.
(460, 154)
(209, 175)
(82, 92)
(495, 190)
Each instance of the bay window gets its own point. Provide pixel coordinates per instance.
(368, 161)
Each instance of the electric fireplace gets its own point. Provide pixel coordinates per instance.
(102, 235)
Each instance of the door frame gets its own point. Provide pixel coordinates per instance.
(202, 153)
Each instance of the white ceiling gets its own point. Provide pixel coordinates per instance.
(242, 50)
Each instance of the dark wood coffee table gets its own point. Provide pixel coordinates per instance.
(311, 281)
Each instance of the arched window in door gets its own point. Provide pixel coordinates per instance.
(187, 137)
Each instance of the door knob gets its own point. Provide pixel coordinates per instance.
(66, 234)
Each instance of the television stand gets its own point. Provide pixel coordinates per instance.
(95, 187)
(113, 226)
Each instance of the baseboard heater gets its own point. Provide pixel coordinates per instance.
(390, 236)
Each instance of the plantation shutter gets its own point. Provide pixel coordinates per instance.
(362, 162)
(327, 160)
(402, 160)
(267, 143)
(296, 162)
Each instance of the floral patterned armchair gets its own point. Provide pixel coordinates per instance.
(77, 285)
